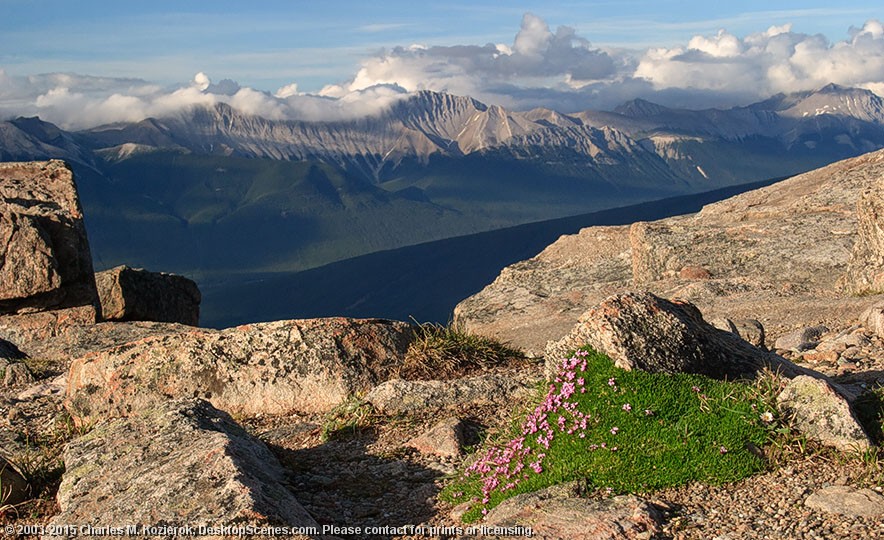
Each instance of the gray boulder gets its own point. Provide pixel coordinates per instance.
(46, 259)
(643, 331)
(267, 368)
(134, 294)
(822, 414)
(180, 464)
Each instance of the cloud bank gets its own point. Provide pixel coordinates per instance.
(541, 67)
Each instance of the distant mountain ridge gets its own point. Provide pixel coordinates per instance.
(212, 187)
(834, 120)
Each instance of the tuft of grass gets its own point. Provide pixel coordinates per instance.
(445, 351)
(624, 431)
(347, 418)
(42, 368)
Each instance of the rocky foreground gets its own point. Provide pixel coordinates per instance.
(118, 416)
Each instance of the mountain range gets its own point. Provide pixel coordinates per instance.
(212, 192)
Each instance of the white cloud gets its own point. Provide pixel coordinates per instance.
(778, 60)
(288, 90)
(541, 67)
(80, 102)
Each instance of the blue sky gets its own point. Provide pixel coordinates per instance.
(340, 47)
(268, 44)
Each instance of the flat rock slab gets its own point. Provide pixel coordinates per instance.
(46, 259)
(551, 515)
(399, 396)
(847, 501)
(134, 294)
(267, 368)
(642, 331)
(181, 464)
(822, 414)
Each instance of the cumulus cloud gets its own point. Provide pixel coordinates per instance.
(560, 69)
(554, 68)
(765, 63)
(537, 57)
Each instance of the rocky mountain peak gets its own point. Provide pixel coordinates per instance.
(641, 107)
(836, 100)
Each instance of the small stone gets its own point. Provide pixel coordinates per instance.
(831, 346)
(801, 339)
(852, 352)
(445, 439)
(694, 272)
(820, 356)
(873, 319)
(750, 330)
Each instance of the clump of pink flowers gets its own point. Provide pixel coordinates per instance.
(504, 468)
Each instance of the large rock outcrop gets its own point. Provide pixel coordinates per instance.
(773, 254)
(134, 294)
(45, 262)
(179, 464)
(267, 368)
(865, 273)
(643, 331)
